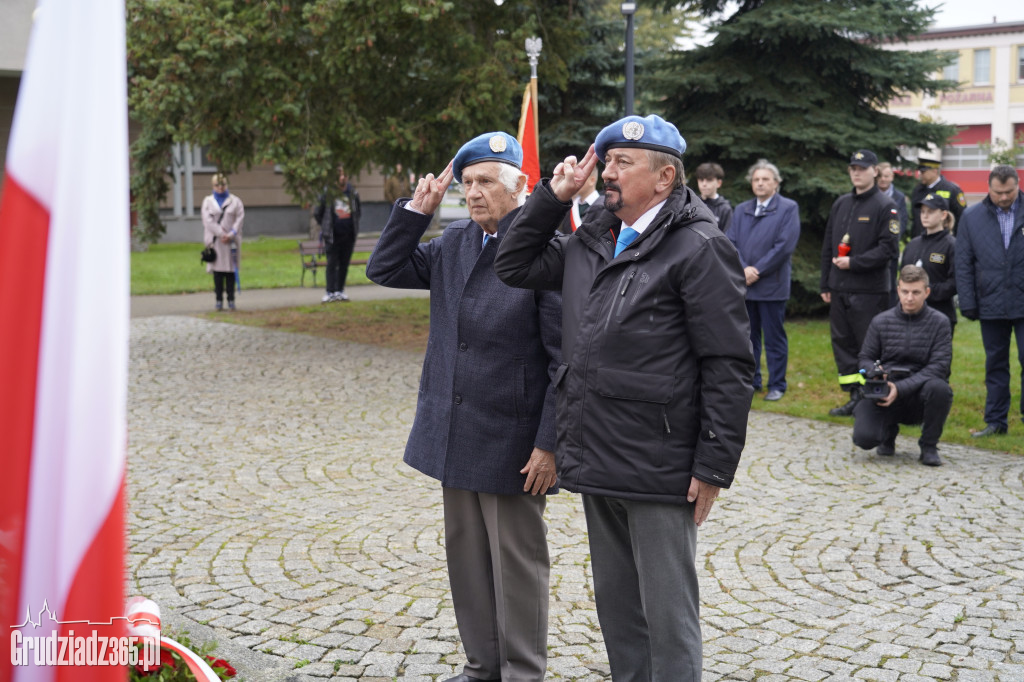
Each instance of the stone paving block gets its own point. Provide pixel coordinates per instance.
(382, 664)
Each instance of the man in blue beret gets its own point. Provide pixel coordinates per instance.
(485, 416)
(655, 387)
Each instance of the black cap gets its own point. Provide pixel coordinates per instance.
(934, 201)
(865, 158)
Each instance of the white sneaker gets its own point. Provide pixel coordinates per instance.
(340, 296)
(328, 297)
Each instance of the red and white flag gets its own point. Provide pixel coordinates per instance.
(529, 138)
(64, 245)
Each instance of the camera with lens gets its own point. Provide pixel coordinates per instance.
(876, 381)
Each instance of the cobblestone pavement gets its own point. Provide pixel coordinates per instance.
(270, 510)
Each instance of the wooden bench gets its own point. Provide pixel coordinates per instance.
(313, 257)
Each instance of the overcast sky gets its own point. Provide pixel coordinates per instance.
(976, 12)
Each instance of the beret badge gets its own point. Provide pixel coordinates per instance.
(497, 144)
(633, 130)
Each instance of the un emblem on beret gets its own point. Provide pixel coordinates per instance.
(497, 144)
(633, 130)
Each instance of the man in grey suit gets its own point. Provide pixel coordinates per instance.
(485, 416)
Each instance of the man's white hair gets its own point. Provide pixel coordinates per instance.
(509, 177)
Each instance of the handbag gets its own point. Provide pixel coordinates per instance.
(208, 255)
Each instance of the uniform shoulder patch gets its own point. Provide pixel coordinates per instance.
(961, 200)
(894, 226)
(937, 258)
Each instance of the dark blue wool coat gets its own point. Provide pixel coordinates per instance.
(486, 398)
(989, 277)
(767, 242)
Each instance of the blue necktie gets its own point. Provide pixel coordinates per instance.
(487, 238)
(626, 237)
(759, 211)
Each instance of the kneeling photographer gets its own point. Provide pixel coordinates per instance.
(905, 360)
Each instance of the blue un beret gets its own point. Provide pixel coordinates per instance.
(652, 132)
(500, 147)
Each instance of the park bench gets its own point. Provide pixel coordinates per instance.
(311, 253)
(313, 256)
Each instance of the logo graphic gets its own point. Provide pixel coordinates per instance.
(497, 144)
(633, 130)
(63, 646)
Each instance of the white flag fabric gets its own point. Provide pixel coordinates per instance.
(64, 306)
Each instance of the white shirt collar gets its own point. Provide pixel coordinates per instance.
(589, 199)
(644, 221)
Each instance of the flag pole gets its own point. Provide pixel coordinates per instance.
(529, 131)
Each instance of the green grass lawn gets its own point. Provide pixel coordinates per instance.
(813, 390)
(274, 262)
(267, 263)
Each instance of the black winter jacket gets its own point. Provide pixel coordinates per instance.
(920, 344)
(935, 253)
(873, 224)
(656, 379)
(722, 210)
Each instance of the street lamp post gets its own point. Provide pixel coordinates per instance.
(628, 10)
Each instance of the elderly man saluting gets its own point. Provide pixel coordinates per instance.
(656, 385)
(485, 417)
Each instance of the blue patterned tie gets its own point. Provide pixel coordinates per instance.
(487, 238)
(626, 237)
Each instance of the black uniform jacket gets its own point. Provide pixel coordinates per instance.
(656, 379)
(936, 253)
(871, 220)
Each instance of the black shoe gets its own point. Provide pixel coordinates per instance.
(774, 394)
(930, 456)
(846, 410)
(989, 430)
(886, 449)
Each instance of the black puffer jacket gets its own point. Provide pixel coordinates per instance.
(656, 381)
(920, 344)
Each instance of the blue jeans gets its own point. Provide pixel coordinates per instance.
(767, 317)
(995, 337)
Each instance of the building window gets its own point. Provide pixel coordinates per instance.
(1020, 64)
(951, 72)
(965, 157)
(982, 66)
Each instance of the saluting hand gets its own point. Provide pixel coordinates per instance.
(570, 176)
(430, 191)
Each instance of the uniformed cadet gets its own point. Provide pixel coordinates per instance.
(934, 251)
(931, 181)
(861, 237)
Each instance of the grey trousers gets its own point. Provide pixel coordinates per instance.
(498, 566)
(643, 555)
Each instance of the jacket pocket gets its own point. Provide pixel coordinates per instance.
(627, 385)
(519, 390)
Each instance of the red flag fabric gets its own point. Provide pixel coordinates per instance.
(64, 244)
(528, 138)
